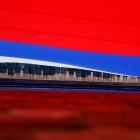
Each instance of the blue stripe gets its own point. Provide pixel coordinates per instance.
(107, 62)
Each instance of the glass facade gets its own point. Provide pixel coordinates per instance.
(32, 69)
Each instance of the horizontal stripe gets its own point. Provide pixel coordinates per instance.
(128, 65)
(111, 33)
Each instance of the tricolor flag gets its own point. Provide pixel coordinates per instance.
(95, 35)
(99, 35)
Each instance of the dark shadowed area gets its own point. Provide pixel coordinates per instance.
(51, 115)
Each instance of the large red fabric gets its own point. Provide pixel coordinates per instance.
(97, 26)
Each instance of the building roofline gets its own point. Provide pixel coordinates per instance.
(6, 59)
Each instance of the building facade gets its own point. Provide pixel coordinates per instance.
(18, 68)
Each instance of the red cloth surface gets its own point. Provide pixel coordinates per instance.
(97, 26)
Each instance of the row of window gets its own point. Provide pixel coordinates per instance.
(12, 68)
